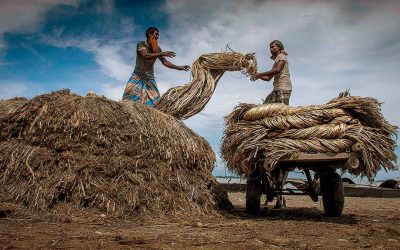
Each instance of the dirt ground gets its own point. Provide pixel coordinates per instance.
(366, 223)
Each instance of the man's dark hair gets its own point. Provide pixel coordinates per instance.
(151, 30)
(278, 43)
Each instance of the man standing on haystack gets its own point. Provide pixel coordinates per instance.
(280, 94)
(280, 73)
(142, 86)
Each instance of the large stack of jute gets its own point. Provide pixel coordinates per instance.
(273, 131)
(185, 101)
(8, 106)
(119, 157)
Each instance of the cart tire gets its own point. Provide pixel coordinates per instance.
(253, 192)
(332, 193)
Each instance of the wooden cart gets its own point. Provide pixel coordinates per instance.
(326, 181)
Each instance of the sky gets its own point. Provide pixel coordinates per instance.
(83, 45)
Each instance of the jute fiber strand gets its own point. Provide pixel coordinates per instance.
(271, 131)
(118, 157)
(185, 101)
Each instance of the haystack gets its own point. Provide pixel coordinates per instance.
(273, 131)
(119, 157)
(8, 106)
(185, 101)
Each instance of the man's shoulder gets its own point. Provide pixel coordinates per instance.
(141, 44)
(281, 57)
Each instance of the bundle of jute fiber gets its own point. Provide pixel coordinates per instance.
(271, 131)
(185, 101)
(119, 157)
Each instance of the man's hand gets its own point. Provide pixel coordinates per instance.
(266, 78)
(255, 77)
(184, 67)
(284, 52)
(169, 54)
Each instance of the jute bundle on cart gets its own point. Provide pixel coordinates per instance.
(119, 157)
(185, 101)
(273, 131)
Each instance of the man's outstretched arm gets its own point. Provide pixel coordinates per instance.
(266, 76)
(149, 56)
(170, 65)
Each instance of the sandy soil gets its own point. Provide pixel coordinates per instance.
(366, 223)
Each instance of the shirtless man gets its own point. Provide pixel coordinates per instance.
(142, 85)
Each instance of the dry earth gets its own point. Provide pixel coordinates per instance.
(366, 223)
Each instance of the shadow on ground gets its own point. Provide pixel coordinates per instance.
(292, 214)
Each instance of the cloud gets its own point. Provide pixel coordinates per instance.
(109, 38)
(2, 47)
(8, 91)
(110, 55)
(112, 91)
(21, 16)
(332, 46)
(26, 16)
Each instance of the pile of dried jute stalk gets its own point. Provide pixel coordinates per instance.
(185, 101)
(8, 106)
(273, 131)
(119, 157)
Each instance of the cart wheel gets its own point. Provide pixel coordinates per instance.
(332, 193)
(253, 192)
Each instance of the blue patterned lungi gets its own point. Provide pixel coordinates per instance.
(141, 89)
